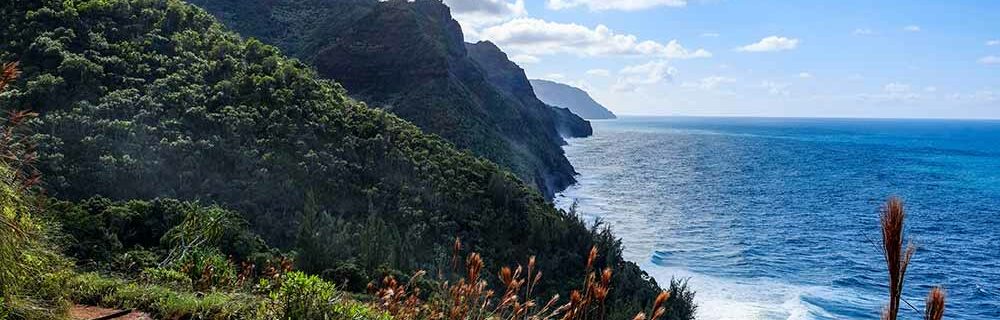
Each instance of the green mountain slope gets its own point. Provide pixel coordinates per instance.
(570, 97)
(153, 98)
(409, 57)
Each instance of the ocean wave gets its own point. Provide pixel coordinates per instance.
(769, 228)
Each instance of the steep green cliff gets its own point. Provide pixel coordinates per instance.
(408, 57)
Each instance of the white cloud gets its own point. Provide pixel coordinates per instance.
(771, 44)
(775, 88)
(805, 75)
(555, 76)
(473, 15)
(930, 89)
(710, 35)
(911, 28)
(863, 31)
(708, 83)
(896, 87)
(978, 96)
(993, 43)
(623, 5)
(599, 72)
(990, 60)
(525, 59)
(540, 37)
(894, 91)
(631, 78)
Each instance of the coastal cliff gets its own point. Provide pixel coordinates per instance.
(409, 58)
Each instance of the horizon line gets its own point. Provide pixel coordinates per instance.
(796, 117)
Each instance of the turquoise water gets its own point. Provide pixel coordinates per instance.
(777, 218)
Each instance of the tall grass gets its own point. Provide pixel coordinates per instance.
(935, 304)
(897, 258)
(29, 265)
(470, 297)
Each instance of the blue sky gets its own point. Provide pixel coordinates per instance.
(897, 59)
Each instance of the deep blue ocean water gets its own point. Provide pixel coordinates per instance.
(775, 218)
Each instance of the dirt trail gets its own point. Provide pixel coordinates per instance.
(82, 312)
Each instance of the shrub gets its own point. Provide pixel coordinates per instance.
(348, 276)
(167, 277)
(208, 269)
(132, 261)
(302, 296)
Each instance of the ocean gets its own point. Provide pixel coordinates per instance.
(777, 218)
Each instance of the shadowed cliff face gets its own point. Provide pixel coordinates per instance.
(410, 58)
(509, 78)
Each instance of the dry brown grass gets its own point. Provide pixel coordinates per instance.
(16, 148)
(9, 74)
(659, 308)
(897, 258)
(935, 304)
(470, 297)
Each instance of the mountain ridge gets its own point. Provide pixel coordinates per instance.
(575, 99)
(410, 58)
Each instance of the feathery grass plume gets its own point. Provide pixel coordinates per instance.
(30, 264)
(399, 300)
(456, 251)
(659, 307)
(17, 150)
(9, 73)
(470, 298)
(896, 257)
(935, 304)
(591, 257)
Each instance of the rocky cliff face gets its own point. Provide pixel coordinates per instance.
(511, 80)
(409, 57)
(575, 99)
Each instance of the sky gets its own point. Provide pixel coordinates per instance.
(881, 59)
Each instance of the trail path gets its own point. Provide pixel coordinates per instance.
(82, 312)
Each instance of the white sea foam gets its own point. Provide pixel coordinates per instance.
(743, 299)
(717, 298)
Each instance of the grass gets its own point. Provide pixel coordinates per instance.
(935, 305)
(471, 296)
(297, 296)
(162, 302)
(30, 266)
(897, 258)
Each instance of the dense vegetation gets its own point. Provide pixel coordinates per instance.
(178, 260)
(146, 99)
(409, 57)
